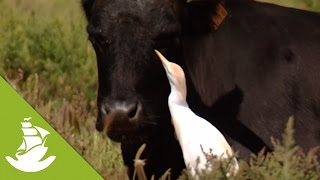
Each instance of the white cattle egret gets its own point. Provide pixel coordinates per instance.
(197, 137)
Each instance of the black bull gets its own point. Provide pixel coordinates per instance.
(247, 71)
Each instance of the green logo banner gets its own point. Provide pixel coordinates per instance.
(30, 148)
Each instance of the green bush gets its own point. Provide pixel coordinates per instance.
(286, 162)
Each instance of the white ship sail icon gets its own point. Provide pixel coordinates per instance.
(32, 149)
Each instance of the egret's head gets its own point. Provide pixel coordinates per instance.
(175, 75)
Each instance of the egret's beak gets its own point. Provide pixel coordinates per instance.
(162, 58)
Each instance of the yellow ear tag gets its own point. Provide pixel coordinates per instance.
(218, 16)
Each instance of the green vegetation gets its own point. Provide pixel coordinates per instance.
(312, 5)
(286, 162)
(45, 54)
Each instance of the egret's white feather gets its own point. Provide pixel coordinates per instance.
(197, 137)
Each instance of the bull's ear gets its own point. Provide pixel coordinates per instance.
(87, 7)
(204, 15)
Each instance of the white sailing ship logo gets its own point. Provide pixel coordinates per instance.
(32, 149)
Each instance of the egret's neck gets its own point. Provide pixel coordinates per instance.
(178, 109)
(177, 97)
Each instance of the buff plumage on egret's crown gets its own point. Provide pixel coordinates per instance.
(197, 137)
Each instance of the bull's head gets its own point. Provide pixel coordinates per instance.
(133, 89)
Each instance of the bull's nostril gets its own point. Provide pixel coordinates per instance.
(127, 111)
(132, 111)
(106, 109)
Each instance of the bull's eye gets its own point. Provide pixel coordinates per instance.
(99, 40)
(106, 42)
(91, 39)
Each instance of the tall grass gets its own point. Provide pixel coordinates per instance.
(45, 54)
